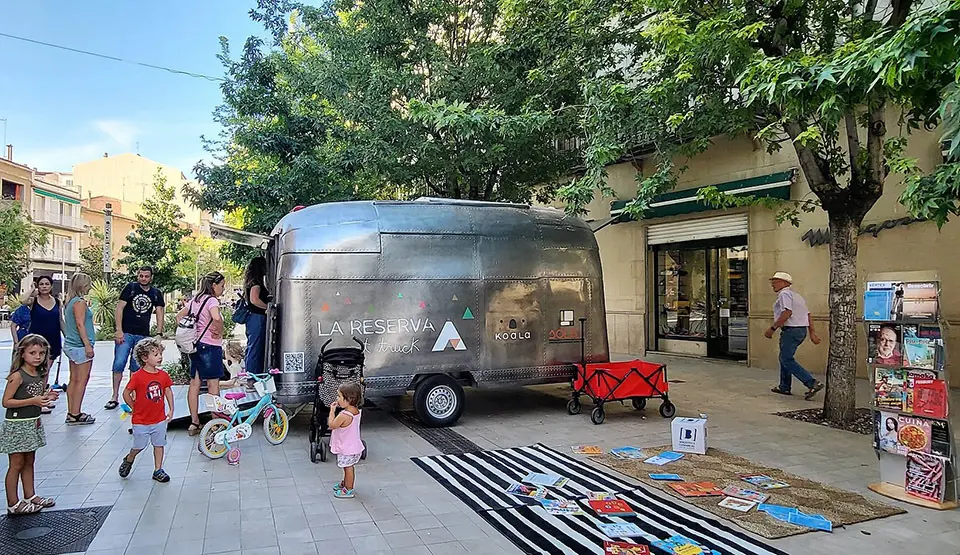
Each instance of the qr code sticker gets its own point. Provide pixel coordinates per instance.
(292, 363)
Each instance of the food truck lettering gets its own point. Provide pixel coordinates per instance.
(379, 326)
(514, 334)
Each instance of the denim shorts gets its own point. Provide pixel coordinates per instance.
(77, 355)
(124, 351)
(207, 362)
(149, 434)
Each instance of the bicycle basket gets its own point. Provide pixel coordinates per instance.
(267, 386)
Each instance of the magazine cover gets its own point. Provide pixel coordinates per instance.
(919, 353)
(925, 477)
(929, 398)
(920, 301)
(623, 548)
(610, 507)
(883, 344)
(912, 376)
(740, 505)
(914, 433)
(620, 529)
(682, 545)
(889, 389)
(932, 332)
(878, 304)
(940, 438)
(696, 489)
(562, 507)
(627, 453)
(540, 479)
(887, 433)
(763, 482)
(748, 494)
(664, 458)
(521, 490)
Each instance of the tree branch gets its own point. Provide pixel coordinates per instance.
(820, 183)
(853, 139)
(901, 9)
(873, 184)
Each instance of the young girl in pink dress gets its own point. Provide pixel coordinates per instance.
(345, 435)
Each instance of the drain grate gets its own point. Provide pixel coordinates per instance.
(52, 532)
(445, 440)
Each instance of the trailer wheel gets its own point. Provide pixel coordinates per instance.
(597, 415)
(667, 409)
(573, 406)
(639, 403)
(438, 401)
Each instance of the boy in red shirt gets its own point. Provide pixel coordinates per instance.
(145, 394)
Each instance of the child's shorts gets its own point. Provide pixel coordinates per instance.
(346, 461)
(149, 434)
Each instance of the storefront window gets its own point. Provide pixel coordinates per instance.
(683, 293)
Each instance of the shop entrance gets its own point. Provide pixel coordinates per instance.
(701, 301)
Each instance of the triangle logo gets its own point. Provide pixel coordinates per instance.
(455, 298)
(325, 307)
(347, 301)
(449, 336)
(467, 315)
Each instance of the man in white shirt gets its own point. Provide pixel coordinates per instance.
(791, 317)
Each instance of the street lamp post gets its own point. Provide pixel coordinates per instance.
(63, 267)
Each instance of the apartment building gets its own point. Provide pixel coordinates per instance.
(54, 203)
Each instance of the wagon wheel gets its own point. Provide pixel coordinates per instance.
(668, 409)
(573, 406)
(639, 403)
(597, 415)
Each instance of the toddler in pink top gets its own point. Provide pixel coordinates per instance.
(345, 435)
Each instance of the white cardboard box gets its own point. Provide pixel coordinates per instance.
(690, 435)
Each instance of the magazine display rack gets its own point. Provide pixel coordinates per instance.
(906, 359)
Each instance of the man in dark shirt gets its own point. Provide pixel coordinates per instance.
(138, 301)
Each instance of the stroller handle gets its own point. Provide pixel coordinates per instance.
(323, 348)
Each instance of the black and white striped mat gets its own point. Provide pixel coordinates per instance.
(479, 480)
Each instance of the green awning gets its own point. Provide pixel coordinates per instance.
(674, 203)
(61, 198)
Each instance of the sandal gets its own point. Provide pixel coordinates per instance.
(111, 405)
(161, 476)
(780, 391)
(77, 419)
(125, 466)
(45, 410)
(194, 428)
(44, 502)
(23, 507)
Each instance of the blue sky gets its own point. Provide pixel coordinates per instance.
(63, 108)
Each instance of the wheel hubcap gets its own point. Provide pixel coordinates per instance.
(441, 402)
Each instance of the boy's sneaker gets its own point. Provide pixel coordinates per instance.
(125, 467)
(343, 493)
(161, 476)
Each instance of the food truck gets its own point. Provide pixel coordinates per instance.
(442, 294)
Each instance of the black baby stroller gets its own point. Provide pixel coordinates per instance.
(334, 367)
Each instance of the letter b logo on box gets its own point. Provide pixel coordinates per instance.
(688, 434)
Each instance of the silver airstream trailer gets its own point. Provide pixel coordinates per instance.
(442, 293)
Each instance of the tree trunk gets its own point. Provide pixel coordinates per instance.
(840, 399)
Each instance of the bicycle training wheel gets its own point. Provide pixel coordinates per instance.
(276, 426)
(208, 445)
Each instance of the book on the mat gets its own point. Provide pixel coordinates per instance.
(666, 477)
(610, 507)
(878, 304)
(624, 548)
(929, 398)
(737, 504)
(914, 433)
(695, 489)
(627, 453)
(600, 495)
(940, 438)
(682, 545)
(664, 458)
(539, 479)
(763, 482)
(587, 450)
(562, 507)
(619, 529)
(748, 494)
(925, 476)
(889, 389)
(920, 301)
(521, 490)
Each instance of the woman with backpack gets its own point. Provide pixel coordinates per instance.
(254, 301)
(202, 319)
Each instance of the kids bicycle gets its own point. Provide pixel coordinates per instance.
(218, 434)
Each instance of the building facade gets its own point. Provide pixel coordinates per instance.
(54, 203)
(690, 280)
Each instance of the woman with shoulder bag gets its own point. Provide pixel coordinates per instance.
(257, 296)
(206, 363)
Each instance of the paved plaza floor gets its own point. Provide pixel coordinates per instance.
(277, 502)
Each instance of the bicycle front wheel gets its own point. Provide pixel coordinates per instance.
(276, 426)
(208, 443)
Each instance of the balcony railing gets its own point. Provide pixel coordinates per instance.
(67, 255)
(56, 218)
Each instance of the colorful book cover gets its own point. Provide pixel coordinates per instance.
(610, 507)
(666, 477)
(877, 304)
(883, 344)
(600, 495)
(682, 545)
(587, 450)
(932, 332)
(748, 494)
(627, 453)
(521, 490)
(919, 353)
(940, 438)
(889, 389)
(623, 548)
(737, 504)
(888, 429)
(914, 433)
(920, 301)
(562, 507)
(696, 489)
(912, 375)
(664, 458)
(763, 482)
(538, 479)
(929, 398)
(620, 529)
(925, 476)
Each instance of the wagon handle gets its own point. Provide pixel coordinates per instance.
(583, 339)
